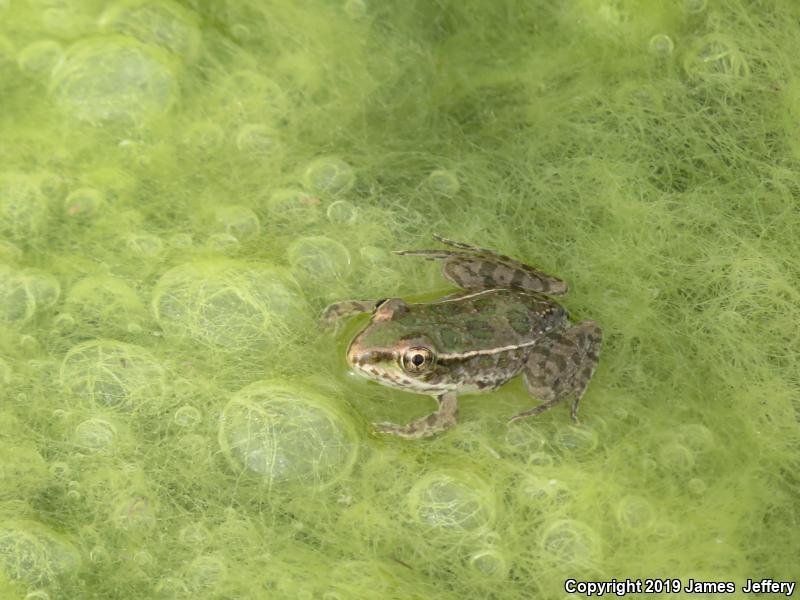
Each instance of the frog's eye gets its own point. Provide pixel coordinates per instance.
(417, 360)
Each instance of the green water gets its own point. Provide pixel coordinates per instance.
(183, 188)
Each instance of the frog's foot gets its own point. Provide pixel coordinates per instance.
(473, 268)
(333, 313)
(444, 418)
(562, 364)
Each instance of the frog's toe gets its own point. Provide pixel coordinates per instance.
(403, 431)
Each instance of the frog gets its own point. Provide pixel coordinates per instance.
(503, 322)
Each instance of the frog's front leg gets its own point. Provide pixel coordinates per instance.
(339, 310)
(444, 418)
(562, 363)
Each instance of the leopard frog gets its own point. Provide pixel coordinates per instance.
(503, 323)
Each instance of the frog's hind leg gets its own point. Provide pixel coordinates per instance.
(562, 364)
(444, 418)
(474, 268)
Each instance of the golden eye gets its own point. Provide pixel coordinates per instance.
(417, 360)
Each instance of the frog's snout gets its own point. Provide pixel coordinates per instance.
(360, 357)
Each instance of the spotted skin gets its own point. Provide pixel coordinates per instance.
(502, 325)
(474, 268)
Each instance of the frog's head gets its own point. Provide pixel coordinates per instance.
(391, 351)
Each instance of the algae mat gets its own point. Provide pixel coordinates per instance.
(183, 188)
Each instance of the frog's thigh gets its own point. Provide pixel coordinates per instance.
(444, 418)
(488, 270)
(562, 364)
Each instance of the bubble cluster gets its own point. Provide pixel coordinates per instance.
(228, 304)
(113, 80)
(286, 434)
(111, 374)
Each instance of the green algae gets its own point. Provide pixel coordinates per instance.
(185, 185)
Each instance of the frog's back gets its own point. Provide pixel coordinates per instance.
(487, 321)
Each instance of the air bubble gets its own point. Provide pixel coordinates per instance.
(716, 57)
(569, 543)
(23, 293)
(5, 372)
(9, 253)
(634, 512)
(443, 182)
(452, 501)
(286, 434)
(113, 80)
(329, 176)
(228, 304)
(248, 96)
(319, 260)
(104, 305)
(203, 135)
(205, 572)
(342, 212)
(83, 202)
(33, 554)
(577, 441)
(676, 457)
(490, 562)
(355, 9)
(95, 434)
(187, 416)
(39, 58)
(694, 6)
(22, 206)
(181, 241)
(696, 486)
(224, 243)
(135, 512)
(165, 23)
(256, 139)
(293, 207)
(144, 244)
(238, 221)
(661, 45)
(111, 374)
